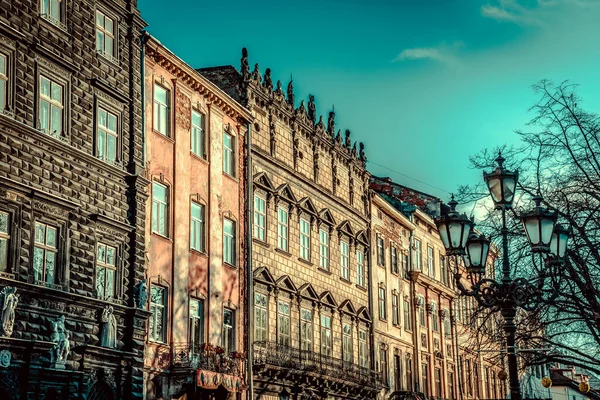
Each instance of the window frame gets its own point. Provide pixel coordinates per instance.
(380, 242)
(232, 260)
(106, 267)
(60, 105)
(61, 22)
(152, 319)
(113, 35)
(256, 226)
(383, 365)
(395, 310)
(418, 255)
(116, 133)
(324, 248)
(347, 343)
(7, 238)
(201, 224)
(382, 303)
(283, 227)
(7, 81)
(284, 326)
(307, 339)
(360, 268)
(407, 315)
(45, 248)
(430, 262)
(345, 260)
(166, 204)
(201, 130)
(363, 354)
(394, 259)
(232, 155)
(229, 347)
(435, 323)
(326, 345)
(305, 236)
(422, 312)
(201, 317)
(156, 108)
(261, 333)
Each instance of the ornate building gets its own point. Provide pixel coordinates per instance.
(310, 248)
(195, 232)
(72, 200)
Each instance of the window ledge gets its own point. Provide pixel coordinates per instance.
(162, 135)
(230, 266)
(198, 252)
(199, 158)
(261, 242)
(345, 280)
(233, 178)
(304, 261)
(160, 236)
(364, 289)
(54, 22)
(280, 251)
(325, 271)
(104, 56)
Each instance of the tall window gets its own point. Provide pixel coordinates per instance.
(443, 270)
(228, 154)
(107, 136)
(158, 317)
(360, 268)
(437, 376)
(283, 323)
(382, 304)
(407, 316)
(394, 261)
(161, 110)
(363, 357)
(198, 134)
(106, 270)
(418, 255)
(51, 106)
(425, 378)
(345, 260)
(4, 240)
(380, 251)
(383, 364)
(304, 239)
(409, 372)
(324, 249)
(347, 343)
(282, 228)
(52, 11)
(451, 395)
(196, 324)
(397, 372)
(229, 241)
(160, 209)
(3, 82)
(447, 325)
(228, 337)
(422, 317)
(197, 227)
(430, 262)
(260, 217)
(105, 34)
(395, 310)
(44, 253)
(260, 318)
(434, 317)
(405, 267)
(326, 335)
(306, 329)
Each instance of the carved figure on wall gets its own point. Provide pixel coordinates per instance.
(256, 73)
(312, 109)
(320, 127)
(290, 92)
(9, 303)
(268, 83)
(5, 357)
(362, 157)
(316, 162)
(60, 338)
(141, 294)
(245, 67)
(348, 141)
(331, 123)
(108, 337)
(273, 136)
(296, 143)
(338, 137)
(354, 151)
(279, 87)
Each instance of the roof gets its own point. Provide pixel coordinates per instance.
(558, 379)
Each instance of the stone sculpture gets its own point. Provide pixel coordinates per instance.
(9, 303)
(108, 337)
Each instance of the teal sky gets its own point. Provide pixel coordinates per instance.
(424, 83)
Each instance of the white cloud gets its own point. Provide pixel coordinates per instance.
(442, 53)
(530, 13)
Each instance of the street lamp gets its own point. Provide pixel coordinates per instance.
(508, 294)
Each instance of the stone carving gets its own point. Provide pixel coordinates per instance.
(273, 136)
(5, 356)
(290, 92)
(354, 151)
(9, 303)
(348, 141)
(108, 337)
(268, 83)
(245, 66)
(362, 156)
(279, 87)
(296, 143)
(183, 112)
(312, 109)
(62, 346)
(338, 137)
(256, 74)
(331, 123)
(316, 161)
(320, 127)
(141, 295)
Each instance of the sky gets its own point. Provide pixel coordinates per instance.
(424, 83)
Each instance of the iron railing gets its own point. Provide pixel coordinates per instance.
(284, 356)
(186, 355)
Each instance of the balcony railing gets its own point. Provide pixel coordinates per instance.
(203, 357)
(283, 356)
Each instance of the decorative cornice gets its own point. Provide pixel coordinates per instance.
(52, 55)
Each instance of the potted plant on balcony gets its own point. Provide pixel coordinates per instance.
(237, 355)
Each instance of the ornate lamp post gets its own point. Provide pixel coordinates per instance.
(508, 294)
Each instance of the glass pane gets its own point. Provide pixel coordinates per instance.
(2, 65)
(108, 24)
(101, 144)
(57, 92)
(99, 19)
(159, 192)
(102, 117)
(110, 255)
(100, 282)
(111, 148)
(195, 118)
(3, 222)
(38, 263)
(112, 122)
(99, 41)
(44, 86)
(56, 127)
(108, 45)
(195, 211)
(45, 6)
(533, 230)
(40, 233)
(50, 258)
(110, 283)
(227, 317)
(160, 94)
(163, 120)
(3, 254)
(51, 237)
(154, 216)
(2, 94)
(44, 114)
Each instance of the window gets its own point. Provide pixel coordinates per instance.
(449, 352)
(260, 318)
(409, 373)
(418, 254)
(437, 375)
(326, 335)
(304, 239)
(382, 305)
(198, 134)
(227, 339)
(196, 324)
(260, 217)
(228, 154)
(476, 379)
(451, 386)
(197, 227)
(3, 82)
(434, 317)
(4, 240)
(306, 329)
(324, 249)
(360, 268)
(347, 343)
(425, 378)
(443, 271)
(405, 267)
(51, 10)
(45, 254)
(383, 364)
(51, 107)
(422, 318)
(394, 261)
(282, 228)
(229, 241)
(161, 110)
(283, 323)
(380, 251)
(160, 209)
(106, 271)
(106, 136)
(397, 372)
(105, 35)
(447, 324)
(407, 316)
(345, 260)
(469, 381)
(430, 262)
(395, 311)
(158, 319)
(363, 357)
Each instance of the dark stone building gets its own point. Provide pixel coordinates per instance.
(72, 200)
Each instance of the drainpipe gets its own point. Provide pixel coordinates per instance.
(144, 38)
(413, 282)
(370, 294)
(249, 272)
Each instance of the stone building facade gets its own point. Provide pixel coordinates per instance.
(72, 200)
(195, 232)
(310, 249)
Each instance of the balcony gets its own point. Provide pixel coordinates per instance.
(276, 361)
(205, 358)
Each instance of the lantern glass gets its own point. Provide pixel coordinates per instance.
(562, 244)
(495, 188)
(474, 250)
(456, 230)
(558, 244)
(465, 234)
(532, 229)
(442, 228)
(546, 229)
(509, 187)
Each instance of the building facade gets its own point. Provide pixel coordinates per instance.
(72, 201)
(310, 247)
(195, 232)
